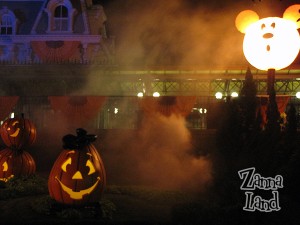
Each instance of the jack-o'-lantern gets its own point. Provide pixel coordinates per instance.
(18, 133)
(15, 163)
(78, 175)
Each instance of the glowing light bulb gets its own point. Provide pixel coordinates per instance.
(234, 94)
(116, 110)
(219, 95)
(156, 94)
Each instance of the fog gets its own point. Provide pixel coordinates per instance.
(182, 33)
(152, 34)
(159, 154)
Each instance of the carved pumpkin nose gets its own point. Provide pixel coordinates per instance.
(77, 176)
(268, 35)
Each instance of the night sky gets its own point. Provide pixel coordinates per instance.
(182, 33)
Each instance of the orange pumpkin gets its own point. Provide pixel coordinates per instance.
(15, 164)
(78, 175)
(18, 133)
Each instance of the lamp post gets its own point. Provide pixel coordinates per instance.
(270, 44)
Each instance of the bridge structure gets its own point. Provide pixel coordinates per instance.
(35, 83)
(205, 82)
(74, 79)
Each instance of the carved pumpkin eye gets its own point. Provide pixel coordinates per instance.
(13, 124)
(5, 166)
(64, 165)
(91, 166)
(88, 164)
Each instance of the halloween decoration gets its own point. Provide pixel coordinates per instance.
(77, 110)
(272, 42)
(78, 175)
(18, 133)
(15, 163)
(56, 51)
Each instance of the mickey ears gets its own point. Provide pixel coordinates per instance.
(293, 13)
(244, 19)
(247, 17)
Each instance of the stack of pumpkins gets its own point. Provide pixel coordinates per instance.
(77, 177)
(17, 134)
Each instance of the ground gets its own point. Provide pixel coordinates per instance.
(25, 201)
(29, 205)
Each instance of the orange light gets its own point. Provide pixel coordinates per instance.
(244, 19)
(271, 43)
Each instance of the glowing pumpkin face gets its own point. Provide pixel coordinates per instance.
(269, 43)
(15, 164)
(18, 133)
(77, 176)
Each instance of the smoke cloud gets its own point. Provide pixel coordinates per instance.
(177, 33)
(159, 154)
(186, 33)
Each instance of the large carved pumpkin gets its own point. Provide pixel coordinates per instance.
(78, 175)
(15, 163)
(18, 133)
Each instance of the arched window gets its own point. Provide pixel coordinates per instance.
(6, 26)
(61, 18)
(7, 22)
(61, 15)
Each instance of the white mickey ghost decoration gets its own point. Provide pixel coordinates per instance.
(272, 42)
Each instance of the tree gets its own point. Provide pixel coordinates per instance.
(248, 103)
(291, 127)
(273, 115)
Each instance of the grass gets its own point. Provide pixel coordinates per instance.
(29, 197)
(23, 186)
(150, 194)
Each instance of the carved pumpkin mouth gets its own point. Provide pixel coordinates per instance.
(16, 133)
(6, 179)
(78, 194)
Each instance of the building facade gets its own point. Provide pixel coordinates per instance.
(51, 48)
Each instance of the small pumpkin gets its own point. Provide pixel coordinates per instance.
(15, 163)
(78, 175)
(18, 133)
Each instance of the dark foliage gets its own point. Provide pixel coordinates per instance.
(47, 206)
(23, 186)
(242, 143)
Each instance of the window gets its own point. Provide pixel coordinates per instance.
(6, 25)
(61, 14)
(61, 18)
(7, 22)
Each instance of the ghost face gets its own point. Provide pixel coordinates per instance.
(271, 43)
